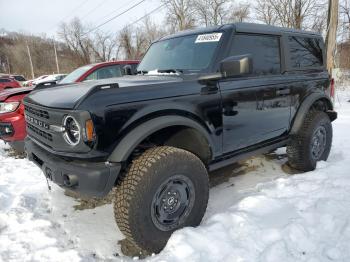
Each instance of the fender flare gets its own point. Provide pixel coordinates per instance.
(129, 142)
(305, 106)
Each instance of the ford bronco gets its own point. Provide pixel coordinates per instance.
(202, 99)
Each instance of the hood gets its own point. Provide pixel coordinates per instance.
(68, 96)
(6, 93)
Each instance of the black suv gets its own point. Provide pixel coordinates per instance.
(202, 99)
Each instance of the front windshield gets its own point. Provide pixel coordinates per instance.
(72, 77)
(191, 52)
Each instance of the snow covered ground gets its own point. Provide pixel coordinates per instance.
(256, 212)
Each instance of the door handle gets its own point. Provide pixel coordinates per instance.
(283, 91)
(208, 90)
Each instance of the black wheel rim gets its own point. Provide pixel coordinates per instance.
(318, 142)
(172, 202)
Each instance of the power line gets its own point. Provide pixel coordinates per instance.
(70, 13)
(93, 9)
(146, 15)
(105, 16)
(116, 16)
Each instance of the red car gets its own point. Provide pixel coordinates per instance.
(7, 82)
(12, 123)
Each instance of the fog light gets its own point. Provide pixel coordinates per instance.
(6, 129)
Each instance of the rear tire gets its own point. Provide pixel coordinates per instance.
(164, 189)
(312, 143)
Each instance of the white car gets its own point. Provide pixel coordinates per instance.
(30, 82)
(49, 78)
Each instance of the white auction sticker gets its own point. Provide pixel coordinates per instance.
(214, 37)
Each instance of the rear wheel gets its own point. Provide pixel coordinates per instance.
(312, 143)
(165, 189)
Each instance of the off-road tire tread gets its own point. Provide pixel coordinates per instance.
(137, 171)
(297, 148)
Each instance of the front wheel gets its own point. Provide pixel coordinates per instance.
(165, 189)
(312, 143)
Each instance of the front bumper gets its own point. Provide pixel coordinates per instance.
(95, 179)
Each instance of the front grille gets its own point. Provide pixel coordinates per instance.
(39, 132)
(37, 112)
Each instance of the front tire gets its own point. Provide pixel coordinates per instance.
(165, 189)
(312, 143)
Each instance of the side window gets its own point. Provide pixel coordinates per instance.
(3, 80)
(105, 72)
(265, 52)
(305, 52)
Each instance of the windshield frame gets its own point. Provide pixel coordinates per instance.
(212, 65)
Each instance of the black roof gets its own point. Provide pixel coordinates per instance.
(244, 27)
(269, 29)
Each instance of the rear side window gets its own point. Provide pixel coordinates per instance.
(4, 80)
(305, 52)
(265, 52)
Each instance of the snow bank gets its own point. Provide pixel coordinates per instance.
(261, 215)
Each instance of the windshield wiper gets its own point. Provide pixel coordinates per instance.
(142, 72)
(176, 71)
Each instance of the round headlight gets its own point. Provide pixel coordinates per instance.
(72, 134)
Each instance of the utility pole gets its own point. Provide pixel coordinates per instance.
(56, 58)
(8, 65)
(331, 38)
(30, 61)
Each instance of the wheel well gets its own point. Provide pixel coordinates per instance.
(183, 137)
(324, 105)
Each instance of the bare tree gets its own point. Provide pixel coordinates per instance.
(180, 14)
(265, 12)
(75, 36)
(240, 12)
(104, 46)
(14, 55)
(151, 30)
(344, 17)
(212, 12)
(132, 42)
(299, 14)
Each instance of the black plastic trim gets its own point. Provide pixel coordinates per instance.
(95, 179)
(127, 145)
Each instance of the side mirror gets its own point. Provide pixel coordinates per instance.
(236, 66)
(127, 70)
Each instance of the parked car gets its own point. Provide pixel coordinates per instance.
(12, 124)
(30, 82)
(50, 78)
(19, 78)
(12, 119)
(204, 99)
(7, 83)
(101, 71)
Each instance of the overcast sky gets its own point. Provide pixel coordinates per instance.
(44, 16)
